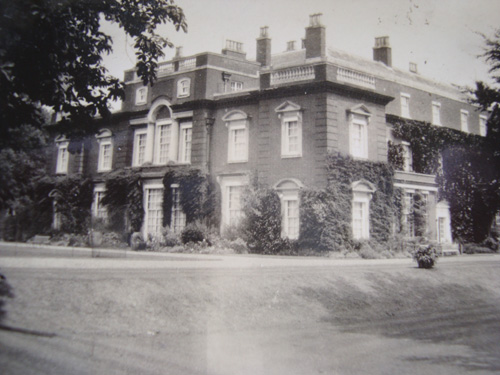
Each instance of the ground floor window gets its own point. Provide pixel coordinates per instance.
(232, 188)
(178, 217)
(288, 191)
(362, 195)
(153, 208)
(99, 210)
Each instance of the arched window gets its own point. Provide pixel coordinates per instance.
(362, 192)
(237, 125)
(183, 87)
(105, 158)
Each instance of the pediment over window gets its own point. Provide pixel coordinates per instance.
(360, 110)
(235, 115)
(363, 186)
(288, 184)
(104, 133)
(287, 106)
(61, 138)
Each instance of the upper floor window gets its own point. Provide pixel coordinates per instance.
(236, 86)
(436, 113)
(482, 125)
(184, 87)
(163, 137)
(140, 144)
(105, 157)
(408, 157)
(405, 105)
(464, 120)
(237, 125)
(141, 95)
(359, 117)
(185, 142)
(62, 155)
(290, 115)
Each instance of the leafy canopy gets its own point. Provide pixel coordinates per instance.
(51, 55)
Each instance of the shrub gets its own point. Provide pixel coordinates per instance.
(474, 248)
(367, 252)
(194, 232)
(426, 256)
(137, 242)
(170, 237)
(5, 292)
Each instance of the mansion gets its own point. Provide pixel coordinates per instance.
(276, 120)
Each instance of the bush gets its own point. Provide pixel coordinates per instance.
(170, 237)
(367, 252)
(474, 248)
(426, 256)
(137, 242)
(194, 232)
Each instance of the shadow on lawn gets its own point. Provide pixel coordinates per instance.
(397, 306)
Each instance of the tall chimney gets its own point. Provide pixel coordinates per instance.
(264, 47)
(382, 51)
(315, 41)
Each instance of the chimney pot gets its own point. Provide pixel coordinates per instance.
(315, 19)
(290, 46)
(178, 51)
(264, 31)
(413, 67)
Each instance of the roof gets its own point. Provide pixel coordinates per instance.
(374, 68)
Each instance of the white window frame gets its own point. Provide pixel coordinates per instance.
(158, 187)
(362, 122)
(286, 120)
(185, 144)
(62, 162)
(288, 191)
(136, 152)
(104, 139)
(483, 120)
(167, 123)
(405, 105)
(362, 194)
(141, 95)
(436, 113)
(226, 183)
(99, 211)
(289, 112)
(237, 154)
(464, 120)
(177, 215)
(408, 157)
(184, 87)
(236, 86)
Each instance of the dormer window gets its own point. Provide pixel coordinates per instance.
(141, 96)
(359, 118)
(237, 126)
(105, 157)
(290, 115)
(184, 88)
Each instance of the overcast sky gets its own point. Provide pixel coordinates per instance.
(441, 36)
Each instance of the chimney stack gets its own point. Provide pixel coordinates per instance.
(382, 51)
(315, 40)
(235, 49)
(264, 47)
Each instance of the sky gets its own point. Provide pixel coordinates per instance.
(441, 36)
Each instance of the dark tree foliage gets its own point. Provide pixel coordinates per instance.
(51, 55)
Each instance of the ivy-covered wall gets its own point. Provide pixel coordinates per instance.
(467, 168)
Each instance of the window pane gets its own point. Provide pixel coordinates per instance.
(186, 140)
(154, 208)
(164, 134)
(291, 218)
(178, 220)
(140, 148)
(234, 204)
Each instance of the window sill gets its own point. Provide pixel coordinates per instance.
(237, 161)
(290, 156)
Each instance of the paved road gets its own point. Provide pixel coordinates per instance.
(129, 313)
